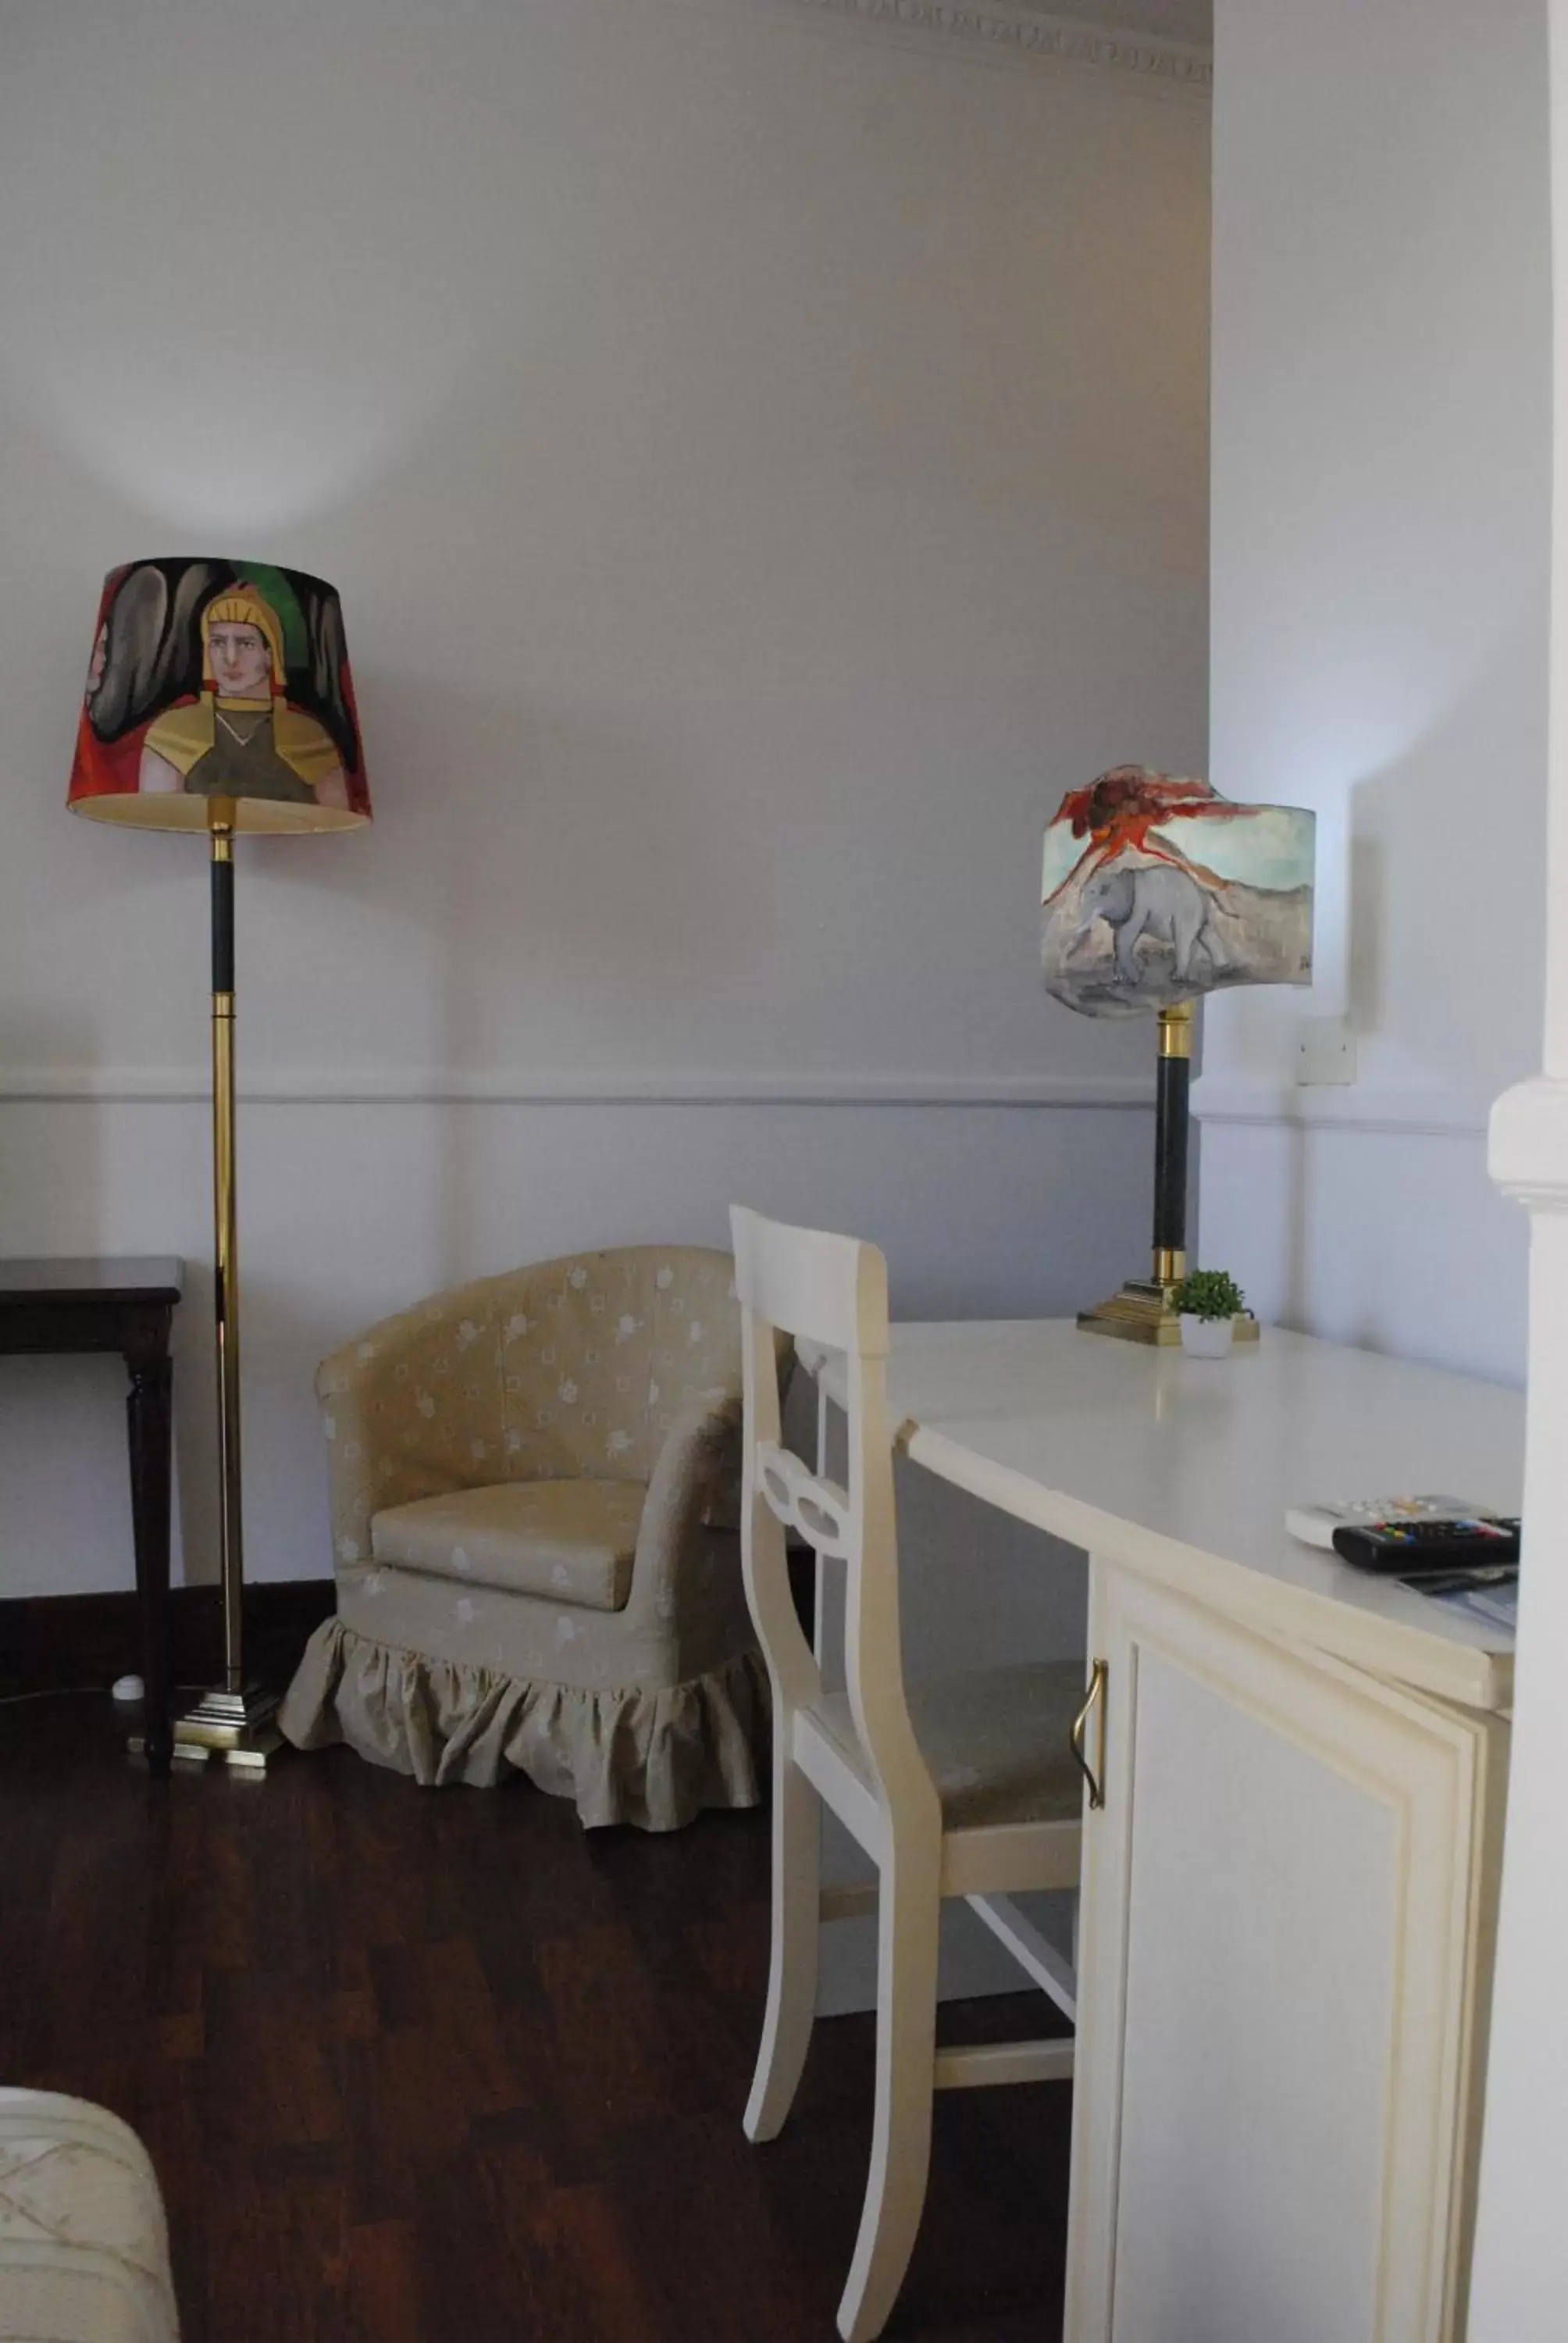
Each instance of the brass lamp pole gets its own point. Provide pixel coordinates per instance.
(232, 1717)
(218, 699)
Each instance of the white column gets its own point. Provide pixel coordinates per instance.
(1519, 2290)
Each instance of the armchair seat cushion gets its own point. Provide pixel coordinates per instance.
(572, 1542)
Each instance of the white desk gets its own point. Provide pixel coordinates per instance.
(1289, 1893)
(1183, 1469)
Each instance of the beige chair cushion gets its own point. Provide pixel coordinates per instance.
(995, 1739)
(573, 1542)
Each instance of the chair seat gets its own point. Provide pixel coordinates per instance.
(996, 1742)
(572, 1541)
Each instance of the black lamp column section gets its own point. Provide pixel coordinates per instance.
(225, 1261)
(1171, 1145)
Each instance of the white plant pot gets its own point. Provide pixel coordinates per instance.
(1207, 1338)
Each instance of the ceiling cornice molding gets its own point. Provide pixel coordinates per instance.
(1019, 31)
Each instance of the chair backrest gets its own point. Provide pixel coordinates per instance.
(831, 1291)
(565, 1369)
(599, 1353)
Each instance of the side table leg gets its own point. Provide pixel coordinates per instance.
(149, 1425)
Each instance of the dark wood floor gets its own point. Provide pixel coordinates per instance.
(437, 2067)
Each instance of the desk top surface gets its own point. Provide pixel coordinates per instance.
(94, 1277)
(1184, 1468)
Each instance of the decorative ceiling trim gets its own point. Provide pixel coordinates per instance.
(1018, 31)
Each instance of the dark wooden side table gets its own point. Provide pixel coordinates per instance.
(129, 1306)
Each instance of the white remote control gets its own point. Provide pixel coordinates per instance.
(1316, 1525)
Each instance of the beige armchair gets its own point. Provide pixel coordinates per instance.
(535, 1482)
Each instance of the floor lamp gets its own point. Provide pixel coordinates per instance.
(1156, 891)
(218, 699)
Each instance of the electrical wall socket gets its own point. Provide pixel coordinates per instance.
(1325, 1051)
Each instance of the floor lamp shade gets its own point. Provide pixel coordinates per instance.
(1155, 889)
(218, 699)
(219, 680)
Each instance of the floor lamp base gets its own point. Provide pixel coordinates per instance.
(239, 1727)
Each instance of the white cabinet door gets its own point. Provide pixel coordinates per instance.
(1284, 1938)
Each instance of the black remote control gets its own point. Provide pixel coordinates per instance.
(1408, 1549)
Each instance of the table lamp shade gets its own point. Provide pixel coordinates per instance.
(219, 680)
(1156, 889)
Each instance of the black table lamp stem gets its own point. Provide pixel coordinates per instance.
(1171, 1123)
(1144, 1310)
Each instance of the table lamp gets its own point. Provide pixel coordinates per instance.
(1155, 890)
(218, 699)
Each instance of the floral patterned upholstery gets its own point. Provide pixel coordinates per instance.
(84, 2250)
(535, 1482)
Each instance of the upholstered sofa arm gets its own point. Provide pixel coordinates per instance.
(391, 1419)
(698, 1468)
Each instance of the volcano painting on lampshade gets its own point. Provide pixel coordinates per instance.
(219, 680)
(1155, 889)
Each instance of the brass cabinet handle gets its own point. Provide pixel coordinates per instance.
(1094, 1696)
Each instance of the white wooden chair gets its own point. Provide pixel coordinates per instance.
(967, 1788)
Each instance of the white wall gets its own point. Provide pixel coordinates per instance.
(347, 1211)
(1520, 2276)
(1382, 493)
(763, 462)
(1382, 466)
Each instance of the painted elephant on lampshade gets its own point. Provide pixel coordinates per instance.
(1152, 899)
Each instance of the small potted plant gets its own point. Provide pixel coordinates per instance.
(1208, 1301)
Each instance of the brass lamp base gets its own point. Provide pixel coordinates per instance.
(1141, 1312)
(238, 1726)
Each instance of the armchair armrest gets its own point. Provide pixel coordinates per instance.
(699, 1461)
(384, 1442)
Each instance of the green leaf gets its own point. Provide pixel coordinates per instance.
(1209, 1293)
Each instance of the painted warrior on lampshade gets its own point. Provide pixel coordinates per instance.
(241, 739)
(219, 680)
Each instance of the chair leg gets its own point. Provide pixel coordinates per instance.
(907, 1924)
(792, 1970)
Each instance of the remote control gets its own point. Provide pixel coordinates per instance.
(1316, 1525)
(1413, 1549)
